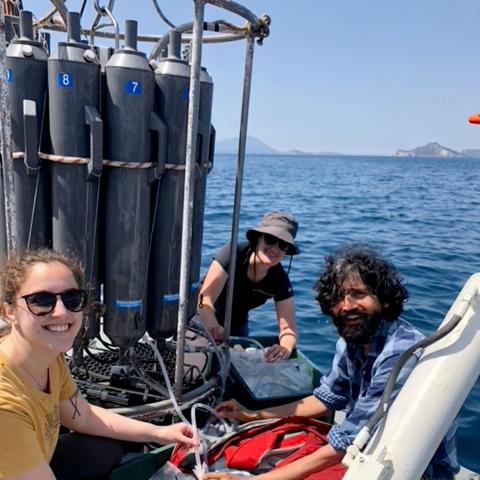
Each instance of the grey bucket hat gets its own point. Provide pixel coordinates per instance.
(280, 225)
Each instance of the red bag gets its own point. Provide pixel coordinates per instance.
(289, 439)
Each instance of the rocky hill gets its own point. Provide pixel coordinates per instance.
(436, 150)
(253, 146)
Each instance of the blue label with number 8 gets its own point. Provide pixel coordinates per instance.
(64, 80)
(133, 88)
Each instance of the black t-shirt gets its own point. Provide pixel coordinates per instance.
(247, 294)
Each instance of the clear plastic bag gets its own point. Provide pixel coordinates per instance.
(170, 472)
(219, 466)
(287, 377)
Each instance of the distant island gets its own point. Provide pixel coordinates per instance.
(255, 146)
(436, 150)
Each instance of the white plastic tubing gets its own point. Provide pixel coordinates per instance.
(200, 466)
(429, 401)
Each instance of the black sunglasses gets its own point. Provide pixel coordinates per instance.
(271, 240)
(42, 303)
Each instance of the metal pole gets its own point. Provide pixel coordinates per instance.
(219, 26)
(238, 9)
(247, 82)
(62, 9)
(188, 196)
(6, 142)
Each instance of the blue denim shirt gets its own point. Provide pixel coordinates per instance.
(355, 384)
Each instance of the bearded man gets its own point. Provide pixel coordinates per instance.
(364, 296)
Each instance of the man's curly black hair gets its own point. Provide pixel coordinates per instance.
(378, 275)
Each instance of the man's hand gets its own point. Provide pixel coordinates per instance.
(233, 410)
(222, 476)
(275, 353)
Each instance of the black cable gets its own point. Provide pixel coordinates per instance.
(290, 264)
(162, 16)
(384, 404)
(150, 382)
(82, 8)
(97, 358)
(108, 346)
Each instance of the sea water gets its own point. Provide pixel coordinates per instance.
(423, 214)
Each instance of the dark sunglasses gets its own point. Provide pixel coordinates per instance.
(271, 240)
(42, 303)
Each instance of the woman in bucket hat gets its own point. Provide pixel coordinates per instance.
(259, 276)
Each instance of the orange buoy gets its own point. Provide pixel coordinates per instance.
(475, 119)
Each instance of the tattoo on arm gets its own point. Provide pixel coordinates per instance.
(73, 401)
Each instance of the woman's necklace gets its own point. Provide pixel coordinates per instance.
(42, 388)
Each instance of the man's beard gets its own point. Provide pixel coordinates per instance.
(361, 332)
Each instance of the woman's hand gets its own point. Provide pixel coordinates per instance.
(275, 353)
(206, 314)
(212, 286)
(233, 410)
(216, 331)
(177, 433)
(211, 324)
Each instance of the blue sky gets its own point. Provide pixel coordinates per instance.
(349, 76)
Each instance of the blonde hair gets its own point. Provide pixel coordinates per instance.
(16, 268)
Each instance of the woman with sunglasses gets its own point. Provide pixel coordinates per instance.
(42, 301)
(259, 276)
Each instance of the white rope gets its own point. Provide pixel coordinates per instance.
(69, 160)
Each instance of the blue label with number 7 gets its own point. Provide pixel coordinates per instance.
(133, 88)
